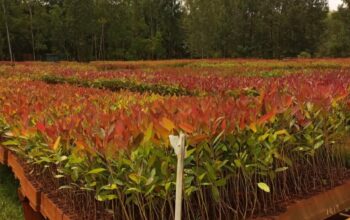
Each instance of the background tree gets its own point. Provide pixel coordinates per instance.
(5, 19)
(336, 39)
(86, 30)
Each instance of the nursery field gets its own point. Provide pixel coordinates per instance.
(260, 134)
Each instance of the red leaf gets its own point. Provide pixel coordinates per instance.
(41, 127)
(267, 117)
(288, 101)
(187, 127)
(197, 139)
(119, 129)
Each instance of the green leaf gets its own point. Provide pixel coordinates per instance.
(150, 190)
(281, 169)
(65, 187)
(264, 187)
(59, 176)
(109, 187)
(319, 137)
(118, 182)
(164, 168)
(283, 158)
(201, 177)
(215, 192)
(148, 134)
(75, 175)
(211, 171)
(106, 197)
(151, 178)
(10, 143)
(135, 178)
(167, 186)
(132, 190)
(221, 182)
(251, 141)
(190, 152)
(263, 137)
(282, 132)
(301, 148)
(272, 138)
(318, 145)
(217, 138)
(92, 184)
(188, 180)
(190, 190)
(63, 158)
(45, 159)
(97, 170)
(238, 163)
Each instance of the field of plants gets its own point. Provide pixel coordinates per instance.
(260, 134)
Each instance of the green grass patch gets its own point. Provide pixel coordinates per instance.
(10, 207)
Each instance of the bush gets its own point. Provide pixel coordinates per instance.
(304, 55)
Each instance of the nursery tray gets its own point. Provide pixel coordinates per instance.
(318, 207)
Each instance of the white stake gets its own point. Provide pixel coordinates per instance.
(178, 143)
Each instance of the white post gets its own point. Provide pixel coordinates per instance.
(178, 143)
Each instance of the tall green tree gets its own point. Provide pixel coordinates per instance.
(80, 28)
(336, 39)
(86, 30)
(249, 28)
(5, 19)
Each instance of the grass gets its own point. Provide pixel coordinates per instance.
(10, 207)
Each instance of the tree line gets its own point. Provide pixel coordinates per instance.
(86, 30)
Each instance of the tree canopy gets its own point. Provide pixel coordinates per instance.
(86, 30)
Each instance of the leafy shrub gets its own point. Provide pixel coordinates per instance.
(304, 54)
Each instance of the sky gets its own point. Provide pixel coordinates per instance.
(333, 4)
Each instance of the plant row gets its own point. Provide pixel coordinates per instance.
(287, 64)
(184, 81)
(245, 156)
(300, 85)
(118, 84)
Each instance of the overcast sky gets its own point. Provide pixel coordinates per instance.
(333, 4)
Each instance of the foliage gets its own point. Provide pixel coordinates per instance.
(86, 29)
(117, 85)
(186, 77)
(337, 37)
(158, 29)
(304, 55)
(247, 149)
